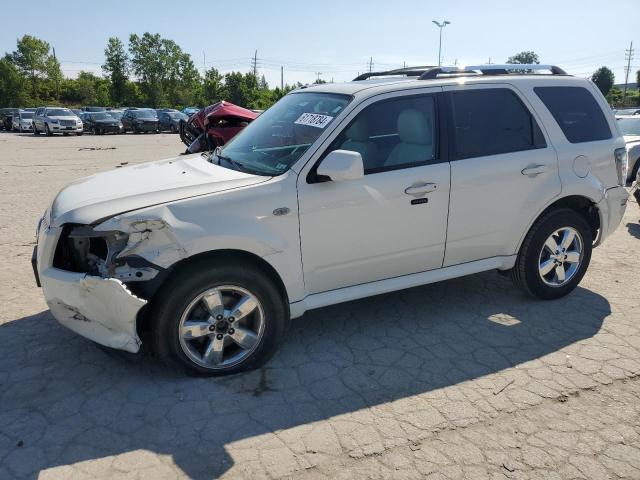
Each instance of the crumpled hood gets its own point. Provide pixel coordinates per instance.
(126, 189)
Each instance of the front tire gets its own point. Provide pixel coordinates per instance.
(47, 130)
(219, 319)
(555, 255)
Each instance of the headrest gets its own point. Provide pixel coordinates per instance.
(413, 127)
(358, 131)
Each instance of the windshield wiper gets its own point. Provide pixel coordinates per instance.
(237, 165)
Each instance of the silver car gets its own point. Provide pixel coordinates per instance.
(52, 120)
(630, 127)
(22, 122)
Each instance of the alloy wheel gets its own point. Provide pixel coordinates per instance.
(221, 327)
(561, 257)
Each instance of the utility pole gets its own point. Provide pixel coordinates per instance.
(255, 64)
(57, 76)
(628, 56)
(441, 26)
(282, 78)
(489, 62)
(318, 76)
(371, 65)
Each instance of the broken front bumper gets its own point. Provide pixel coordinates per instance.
(101, 309)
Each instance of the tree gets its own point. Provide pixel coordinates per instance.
(87, 89)
(524, 57)
(33, 60)
(213, 89)
(12, 91)
(166, 74)
(604, 79)
(116, 66)
(241, 88)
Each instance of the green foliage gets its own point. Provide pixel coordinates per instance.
(33, 60)
(150, 71)
(166, 74)
(116, 66)
(524, 57)
(12, 85)
(604, 79)
(87, 89)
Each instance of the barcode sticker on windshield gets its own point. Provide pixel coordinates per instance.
(313, 120)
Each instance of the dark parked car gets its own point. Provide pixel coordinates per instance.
(140, 120)
(6, 117)
(117, 114)
(170, 120)
(101, 122)
(94, 109)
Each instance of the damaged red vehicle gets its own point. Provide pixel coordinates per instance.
(221, 121)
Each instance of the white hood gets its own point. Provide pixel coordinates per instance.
(131, 188)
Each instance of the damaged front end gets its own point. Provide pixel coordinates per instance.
(96, 279)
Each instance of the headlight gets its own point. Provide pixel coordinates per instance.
(53, 120)
(622, 164)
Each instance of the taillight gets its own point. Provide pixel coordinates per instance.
(622, 164)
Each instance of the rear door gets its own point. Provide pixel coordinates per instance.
(503, 171)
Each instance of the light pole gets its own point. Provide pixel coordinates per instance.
(440, 25)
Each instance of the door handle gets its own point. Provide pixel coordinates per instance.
(534, 170)
(419, 189)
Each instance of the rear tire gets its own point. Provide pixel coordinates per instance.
(554, 256)
(35, 130)
(179, 300)
(47, 130)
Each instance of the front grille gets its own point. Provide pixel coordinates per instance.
(68, 123)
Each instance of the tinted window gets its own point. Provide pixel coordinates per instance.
(393, 134)
(577, 113)
(491, 122)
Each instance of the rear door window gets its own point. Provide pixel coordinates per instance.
(577, 113)
(492, 122)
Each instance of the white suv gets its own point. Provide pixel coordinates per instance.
(52, 120)
(338, 192)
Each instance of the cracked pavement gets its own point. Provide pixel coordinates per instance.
(467, 378)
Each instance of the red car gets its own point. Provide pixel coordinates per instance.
(221, 121)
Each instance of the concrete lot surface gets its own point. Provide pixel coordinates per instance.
(464, 379)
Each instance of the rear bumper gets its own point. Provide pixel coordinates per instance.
(612, 208)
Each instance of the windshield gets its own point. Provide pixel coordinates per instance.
(26, 114)
(629, 126)
(144, 114)
(59, 112)
(116, 115)
(273, 142)
(178, 115)
(101, 116)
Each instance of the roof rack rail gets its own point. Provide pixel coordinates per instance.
(491, 69)
(407, 72)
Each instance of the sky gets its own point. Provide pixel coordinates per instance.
(336, 40)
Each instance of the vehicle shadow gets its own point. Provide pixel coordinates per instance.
(64, 400)
(634, 229)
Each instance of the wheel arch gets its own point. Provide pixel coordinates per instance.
(153, 287)
(584, 206)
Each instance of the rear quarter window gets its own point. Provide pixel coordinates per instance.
(578, 114)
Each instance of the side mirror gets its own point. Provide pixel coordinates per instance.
(342, 165)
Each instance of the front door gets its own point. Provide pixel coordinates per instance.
(392, 222)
